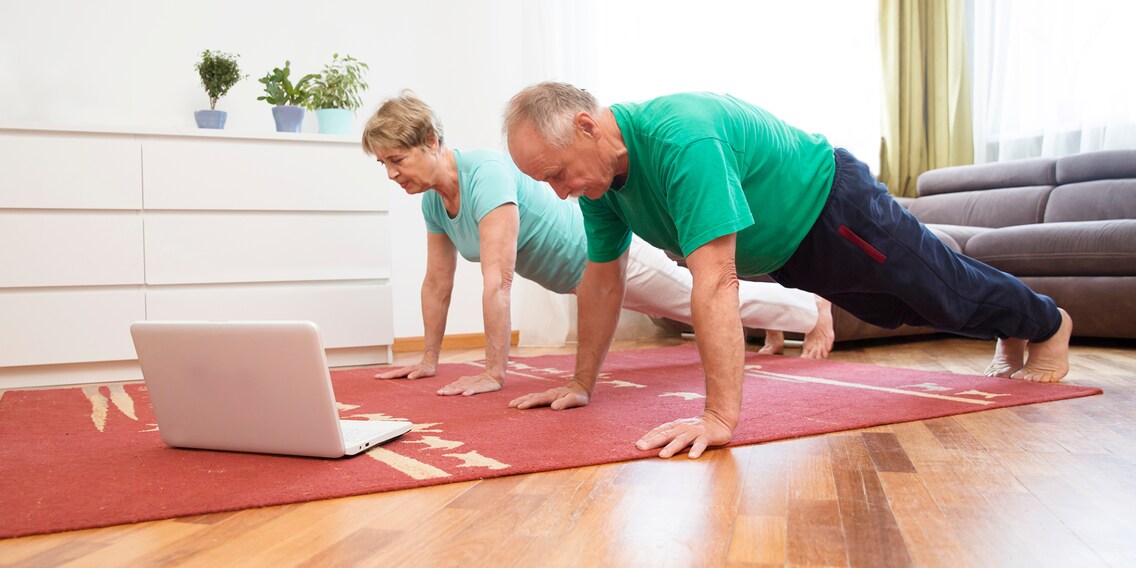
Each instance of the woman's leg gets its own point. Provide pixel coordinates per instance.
(659, 287)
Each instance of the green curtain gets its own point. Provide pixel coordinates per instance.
(927, 116)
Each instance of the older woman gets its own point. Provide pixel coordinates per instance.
(478, 204)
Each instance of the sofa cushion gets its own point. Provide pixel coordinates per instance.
(956, 236)
(1108, 164)
(1092, 200)
(946, 237)
(1018, 173)
(1083, 248)
(904, 201)
(991, 208)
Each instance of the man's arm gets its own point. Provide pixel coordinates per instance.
(497, 232)
(721, 346)
(599, 297)
(437, 289)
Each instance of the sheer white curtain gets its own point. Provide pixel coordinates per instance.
(812, 63)
(1052, 77)
(558, 44)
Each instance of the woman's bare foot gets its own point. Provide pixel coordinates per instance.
(818, 341)
(473, 384)
(1009, 358)
(1049, 360)
(774, 343)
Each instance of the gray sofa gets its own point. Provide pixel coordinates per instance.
(1065, 226)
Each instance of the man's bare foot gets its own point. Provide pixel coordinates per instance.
(818, 341)
(774, 343)
(1009, 358)
(1049, 360)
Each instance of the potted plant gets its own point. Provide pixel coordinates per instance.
(335, 93)
(287, 99)
(219, 72)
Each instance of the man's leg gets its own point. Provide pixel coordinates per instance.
(867, 254)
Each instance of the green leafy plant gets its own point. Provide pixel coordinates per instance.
(279, 89)
(340, 84)
(219, 72)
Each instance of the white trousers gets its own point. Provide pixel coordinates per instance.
(659, 287)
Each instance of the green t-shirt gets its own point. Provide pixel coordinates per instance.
(550, 240)
(703, 166)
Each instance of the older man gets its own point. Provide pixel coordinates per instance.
(737, 191)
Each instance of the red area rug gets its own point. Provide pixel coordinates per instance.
(87, 457)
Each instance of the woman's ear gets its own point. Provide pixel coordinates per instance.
(432, 144)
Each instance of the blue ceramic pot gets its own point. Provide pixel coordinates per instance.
(288, 118)
(210, 118)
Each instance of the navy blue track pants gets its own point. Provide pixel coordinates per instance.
(869, 255)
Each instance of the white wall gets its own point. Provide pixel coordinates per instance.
(130, 64)
(812, 63)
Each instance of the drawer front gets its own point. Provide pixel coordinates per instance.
(262, 175)
(189, 248)
(348, 314)
(68, 326)
(70, 171)
(70, 248)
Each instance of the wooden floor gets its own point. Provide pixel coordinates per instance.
(1043, 485)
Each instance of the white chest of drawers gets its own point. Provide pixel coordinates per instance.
(101, 229)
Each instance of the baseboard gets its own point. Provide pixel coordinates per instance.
(458, 341)
(98, 372)
(65, 374)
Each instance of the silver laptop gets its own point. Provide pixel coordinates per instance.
(248, 386)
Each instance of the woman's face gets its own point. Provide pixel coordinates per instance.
(414, 169)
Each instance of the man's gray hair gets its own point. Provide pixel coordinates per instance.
(551, 107)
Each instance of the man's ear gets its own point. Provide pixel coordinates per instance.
(586, 124)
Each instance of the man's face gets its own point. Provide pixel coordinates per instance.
(578, 169)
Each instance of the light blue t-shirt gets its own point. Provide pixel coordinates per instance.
(551, 246)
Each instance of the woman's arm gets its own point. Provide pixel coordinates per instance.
(497, 232)
(437, 288)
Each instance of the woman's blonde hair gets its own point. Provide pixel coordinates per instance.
(402, 122)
